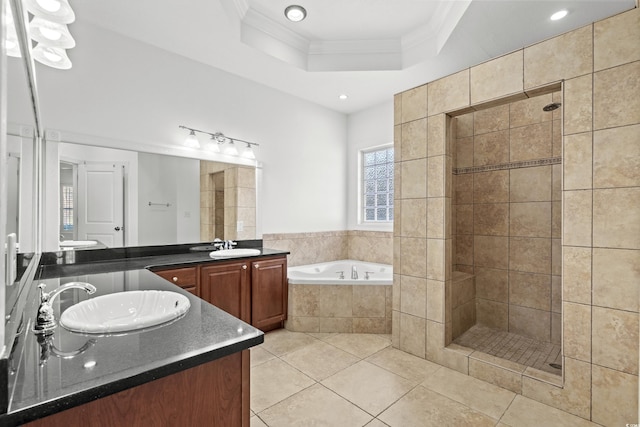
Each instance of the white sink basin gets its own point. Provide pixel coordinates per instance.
(124, 311)
(228, 253)
(72, 243)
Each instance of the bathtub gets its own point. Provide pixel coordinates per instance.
(321, 301)
(339, 273)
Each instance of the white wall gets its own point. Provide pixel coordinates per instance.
(368, 128)
(176, 181)
(124, 90)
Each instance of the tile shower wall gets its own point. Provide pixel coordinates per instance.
(507, 214)
(598, 69)
(325, 246)
(228, 191)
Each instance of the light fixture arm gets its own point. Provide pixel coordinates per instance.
(219, 137)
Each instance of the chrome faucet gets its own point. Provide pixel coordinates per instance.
(45, 322)
(223, 244)
(354, 273)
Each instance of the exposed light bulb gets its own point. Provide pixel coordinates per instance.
(213, 145)
(192, 141)
(248, 153)
(51, 55)
(49, 5)
(231, 149)
(50, 34)
(343, 97)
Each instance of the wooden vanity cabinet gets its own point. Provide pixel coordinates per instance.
(253, 291)
(185, 277)
(269, 292)
(226, 285)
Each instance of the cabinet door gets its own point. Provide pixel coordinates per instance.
(225, 285)
(186, 278)
(269, 293)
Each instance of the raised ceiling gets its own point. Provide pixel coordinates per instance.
(367, 49)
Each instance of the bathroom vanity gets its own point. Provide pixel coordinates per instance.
(193, 370)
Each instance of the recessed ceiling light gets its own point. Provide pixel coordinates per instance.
(343, 97)
(559, 15)
(295, 13)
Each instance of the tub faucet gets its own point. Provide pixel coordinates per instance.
(354, 273)
(45, 322)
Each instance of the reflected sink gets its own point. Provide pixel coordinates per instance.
(124, 311)
(228, 253)
(72, 243)
(203, 248)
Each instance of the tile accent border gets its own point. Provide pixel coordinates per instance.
(510, 165)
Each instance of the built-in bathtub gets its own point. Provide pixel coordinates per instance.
(324, 298)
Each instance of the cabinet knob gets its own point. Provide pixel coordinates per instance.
(175, 279)
(244, 267)
(256, 265)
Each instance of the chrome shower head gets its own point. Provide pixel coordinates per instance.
(552, 106)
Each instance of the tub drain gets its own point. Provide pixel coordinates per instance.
(555, 365)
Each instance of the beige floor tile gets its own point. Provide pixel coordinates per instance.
(259, 355)
(403, 364)
(368, 386)
(320, 360)
(256, 422)
(525, 412)
(422, 407)
(474, 393)
(274, 381)
(361, 345)
(322, 335)
(315, 406)
(282, 341)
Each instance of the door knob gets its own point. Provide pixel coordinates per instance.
(117, 228)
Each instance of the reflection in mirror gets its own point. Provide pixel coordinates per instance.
(22, 135)
(101, 197)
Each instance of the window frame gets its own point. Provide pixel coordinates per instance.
(361, 189)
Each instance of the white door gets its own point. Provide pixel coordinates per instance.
(101, 203)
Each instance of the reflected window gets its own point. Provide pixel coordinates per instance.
(377, 184)
(67, 208)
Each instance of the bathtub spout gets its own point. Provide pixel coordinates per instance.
(354, 273)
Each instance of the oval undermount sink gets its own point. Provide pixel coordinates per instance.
(124, 311)
(72, 243)
(228, 253)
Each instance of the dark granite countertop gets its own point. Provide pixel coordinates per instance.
(150, 261)
(72, 369)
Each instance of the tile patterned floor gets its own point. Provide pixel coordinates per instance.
(345, 380)
(513, 347)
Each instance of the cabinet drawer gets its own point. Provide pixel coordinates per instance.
(183, 277)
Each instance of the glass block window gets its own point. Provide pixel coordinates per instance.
(377, 185)
(67, 208)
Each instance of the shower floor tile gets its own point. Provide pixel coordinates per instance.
(516, 348)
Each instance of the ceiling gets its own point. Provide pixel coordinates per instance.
(366, 49)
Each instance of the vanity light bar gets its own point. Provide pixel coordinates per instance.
(217, 139)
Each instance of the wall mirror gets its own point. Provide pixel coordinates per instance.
(22, 136)
(100, 197)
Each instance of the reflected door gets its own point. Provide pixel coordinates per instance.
(101, 203)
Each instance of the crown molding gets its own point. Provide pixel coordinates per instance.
(261, 32)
